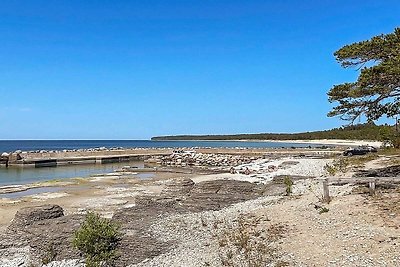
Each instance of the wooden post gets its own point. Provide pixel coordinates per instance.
(372, 188)
(326, 198)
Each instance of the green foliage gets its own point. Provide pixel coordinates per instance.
(331, 170)
(97, 239)
(337, 166)
(377, 90)
(390, 137)
(323, 210)
(368, 131)
(289, 183)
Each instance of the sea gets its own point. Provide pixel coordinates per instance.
(35, 145)
(20, 175)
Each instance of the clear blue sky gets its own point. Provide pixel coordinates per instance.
(136, 69)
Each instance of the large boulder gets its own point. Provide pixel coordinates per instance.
(29, 215)
(217, 194)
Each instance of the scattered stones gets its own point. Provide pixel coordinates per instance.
(66, 263)
(200, 160)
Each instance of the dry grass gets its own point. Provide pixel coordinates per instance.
(389, 151)
(343, 164)
(386, 203)
(247, 244)
(359, 161)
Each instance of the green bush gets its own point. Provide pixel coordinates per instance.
(288, 183)
(339, 165)
(97, 239)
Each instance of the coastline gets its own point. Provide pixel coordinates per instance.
(194, 209)
(337, 142)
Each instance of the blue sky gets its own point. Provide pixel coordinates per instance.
(136, 69)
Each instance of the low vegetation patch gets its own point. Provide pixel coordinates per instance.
(246, 244)
(50, 254)
(359, 161)
(321, 209)
(289, 184)
(97, 239)
(339, 165)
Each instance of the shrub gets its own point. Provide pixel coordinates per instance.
(338, 165)
(289, 183)
(97, 239)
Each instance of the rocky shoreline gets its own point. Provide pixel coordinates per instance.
(192, 218)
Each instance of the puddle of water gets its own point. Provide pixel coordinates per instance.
(30, 192)
(19, 175)
(145, 175)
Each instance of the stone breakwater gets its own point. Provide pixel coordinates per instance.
(201, 160)
(20, 155)
(217, 158)
(107, 149)
(46, 158)
(38, 154)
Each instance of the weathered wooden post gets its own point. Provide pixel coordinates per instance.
(326, 198)
(372, 188)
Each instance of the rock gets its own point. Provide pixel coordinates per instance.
(43, 229)
(29, 215)
(180, 186)
(391, 171)
(217, 194)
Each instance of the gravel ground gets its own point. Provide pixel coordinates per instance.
(13, 257)
(261, 171)
(197, 234)
(287, 166)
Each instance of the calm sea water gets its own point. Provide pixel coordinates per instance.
(31, 145)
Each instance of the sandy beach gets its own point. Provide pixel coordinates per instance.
(338, 142)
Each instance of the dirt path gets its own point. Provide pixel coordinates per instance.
(352, 233)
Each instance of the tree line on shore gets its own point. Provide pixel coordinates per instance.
(367, 131)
